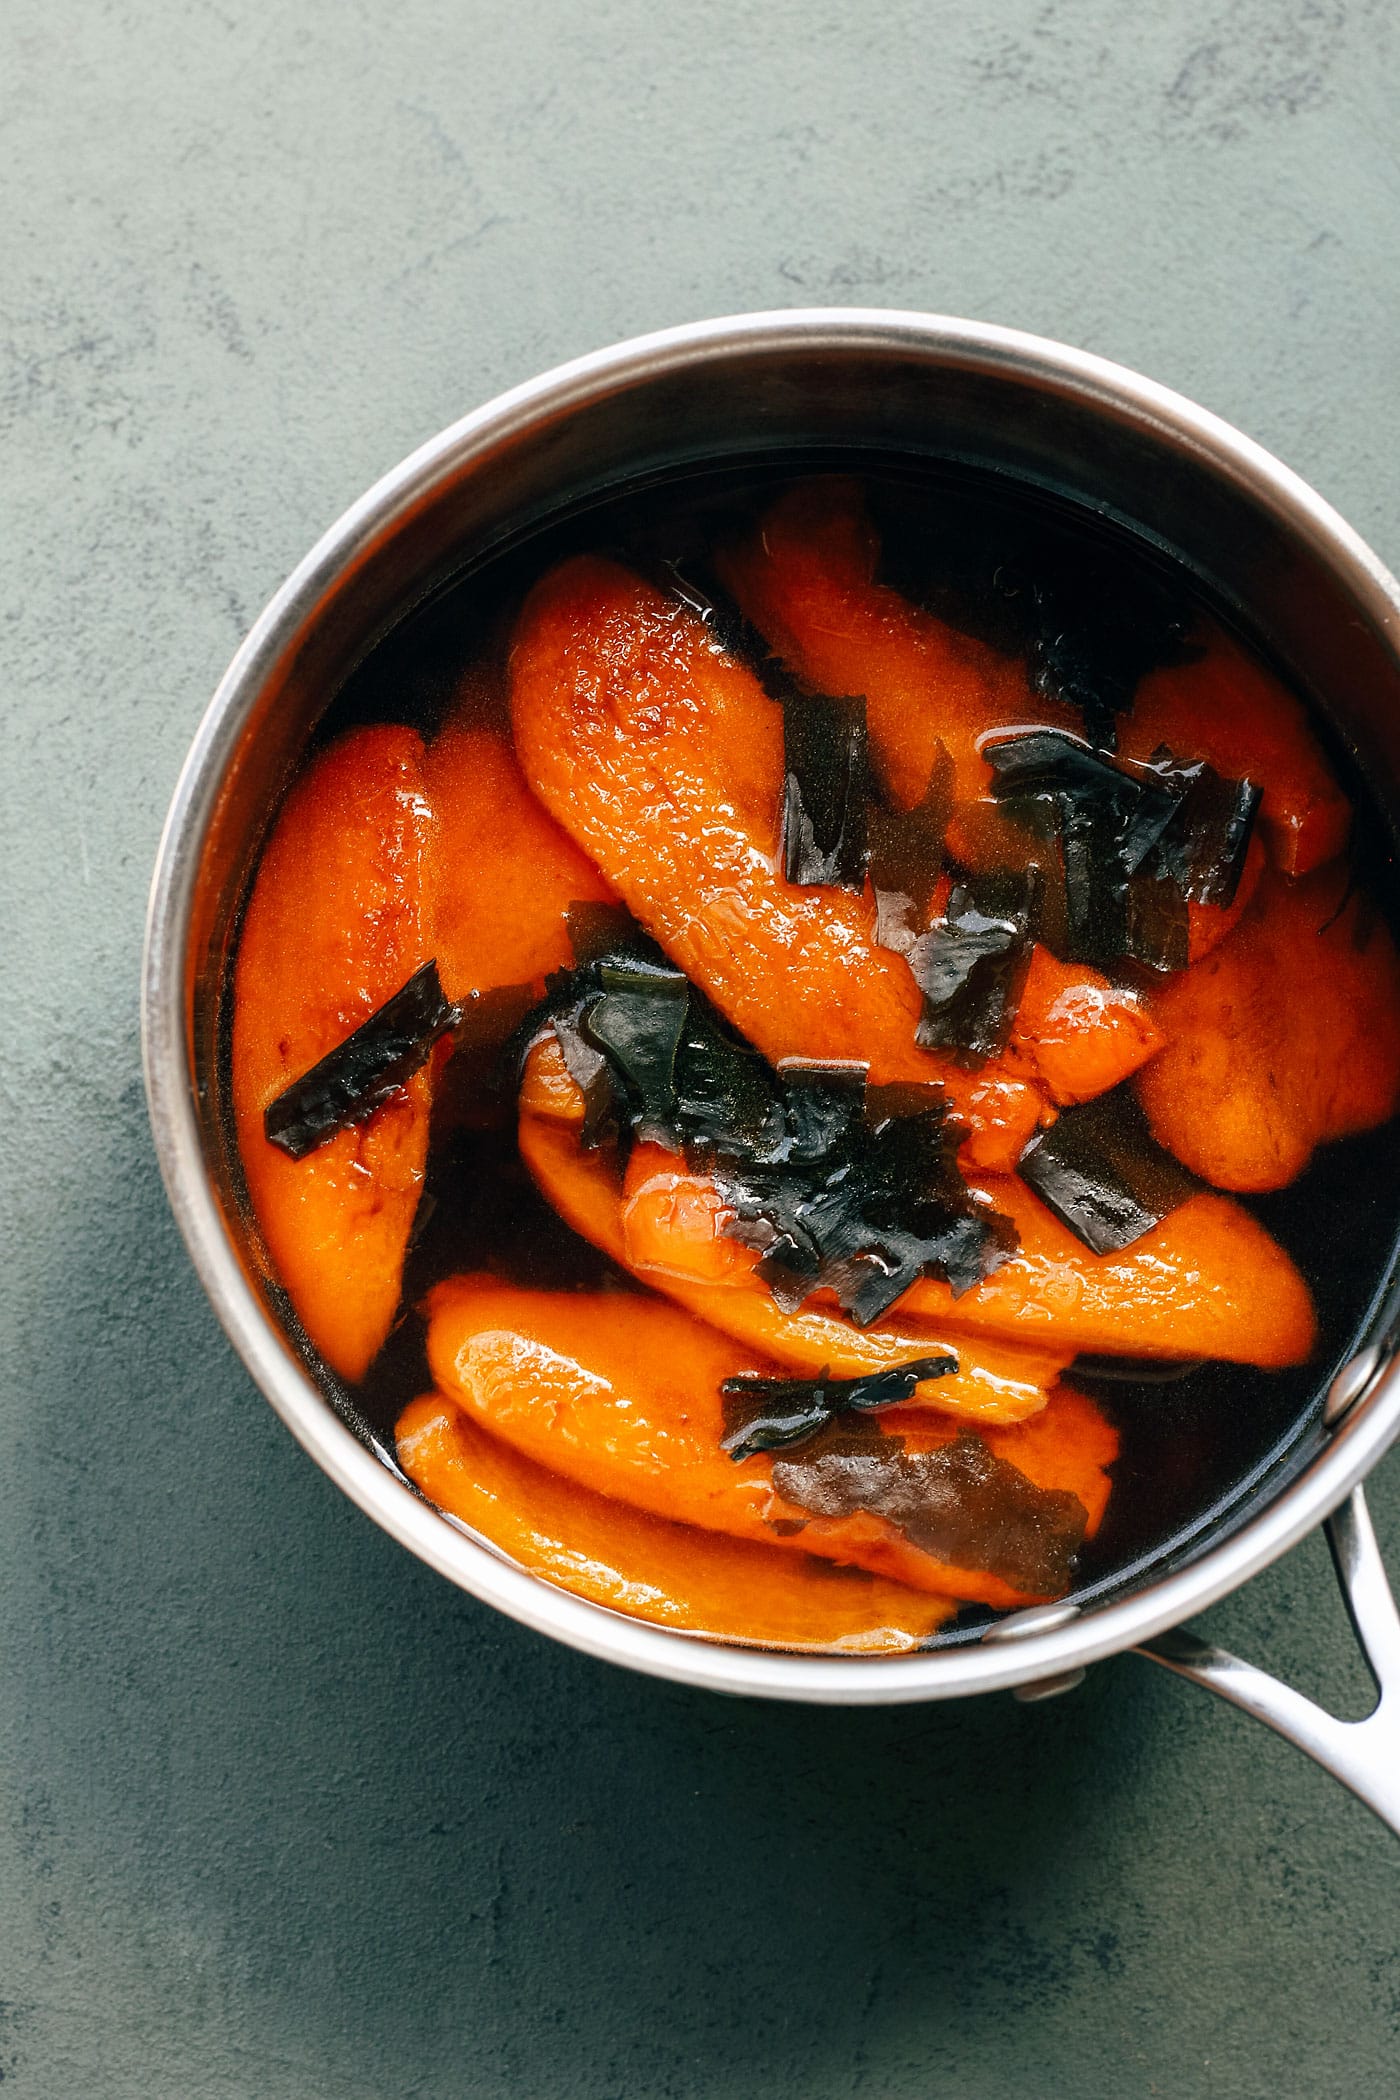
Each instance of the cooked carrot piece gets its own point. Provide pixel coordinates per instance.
(664, 760)
(1227, 709)
(1208, 1281)
(1284, 1038)
(1070, 1445)
(338, 920)
(508, 874)
(623, 1396)
(671, 1574)
(664, 1225)
(1084, 1033)
(806, 579)
(1208, 924)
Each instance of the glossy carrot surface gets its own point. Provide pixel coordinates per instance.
(664, 759)
(806, 579)
(1208, 1281)
(1286, 1037)
(671, 1574)
(507, 873)
(621, 1394)
(1085, 1034)
(339, 919)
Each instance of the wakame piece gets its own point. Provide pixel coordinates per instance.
(636, 1021)
(881, 1206)
(906, 847)
(1099, 1169)
(959, 1502)
(836, 1187)
(1139, 842)
(351, 1081)
(770, 1414)
(826, 791)
(971, 965)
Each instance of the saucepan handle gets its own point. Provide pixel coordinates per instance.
(1364, 1755)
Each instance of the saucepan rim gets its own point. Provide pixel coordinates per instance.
(956, 1671)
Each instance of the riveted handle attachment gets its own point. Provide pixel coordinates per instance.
(1364, 1755)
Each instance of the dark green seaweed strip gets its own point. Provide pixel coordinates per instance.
(906, 846)
(835, 1187)
(1103, 1174)
(769, 1414)
(971, 966)
(826, 791)
(1138, 842)
(351, 1081)
(959, 1503)
(637, 1021)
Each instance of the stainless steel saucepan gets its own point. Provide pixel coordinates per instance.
(717, 392)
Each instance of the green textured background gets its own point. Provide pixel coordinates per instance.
(283, 1814)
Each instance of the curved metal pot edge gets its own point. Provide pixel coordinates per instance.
(957, 1672)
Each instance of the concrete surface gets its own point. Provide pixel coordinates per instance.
(284, 1815)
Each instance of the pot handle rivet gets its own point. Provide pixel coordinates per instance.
(1038, 1618)
(1354, 1378)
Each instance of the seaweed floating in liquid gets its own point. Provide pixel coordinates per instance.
(347, 1085)
(834, 1185)
(959, 1502)
(1102, 1173)
(1138, 842)
(768, 1414)
(826, 791)
(971, 966)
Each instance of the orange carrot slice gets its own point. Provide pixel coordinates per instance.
(806, 579)
(664, 760)
(665, 1228)
(1085, 1034)
(671, 1574)
(1227, 709)
(1286, 1037)
(622, 1396)
(508, 873)
(1208, 1281)
(338, 920)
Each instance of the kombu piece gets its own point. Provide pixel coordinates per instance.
(906, 848)
(827, 785)
(971, 965)
(959, 1503)
(880, 1205)
(826, 791)
(769, 1414)
(636, 1022)
(351, 1081)
(1138, 843)
(1102, 1173)
(836, 1186)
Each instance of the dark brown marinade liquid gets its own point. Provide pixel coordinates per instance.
(1199, 1450)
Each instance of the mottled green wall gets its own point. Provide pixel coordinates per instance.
(283, 1814)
